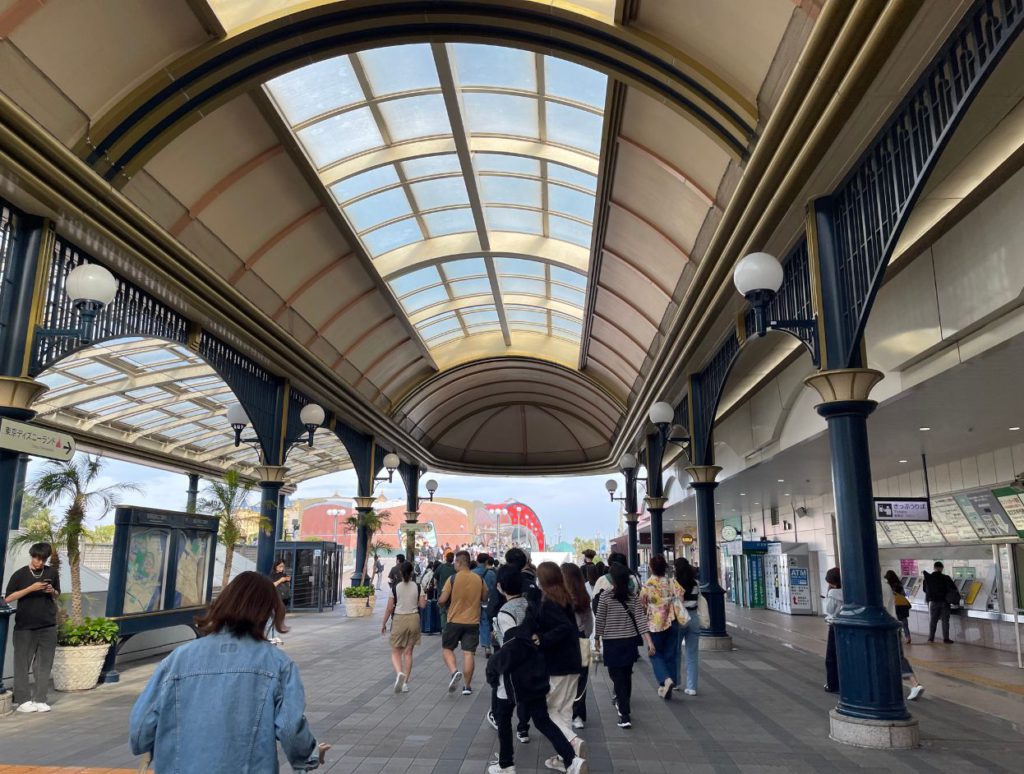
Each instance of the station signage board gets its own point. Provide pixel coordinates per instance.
(416, 526)
(35, 440)
(902, 509)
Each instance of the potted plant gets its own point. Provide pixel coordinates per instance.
(83, 648)
(73, 482)
(356, 598)
(371, 521)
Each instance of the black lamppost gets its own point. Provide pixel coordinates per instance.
(628, 466)
(661, 416)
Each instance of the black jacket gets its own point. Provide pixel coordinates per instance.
(937, 585)
(521, 666)
(559, 638)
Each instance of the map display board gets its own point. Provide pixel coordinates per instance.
(951, 521)
(162, 561)
(1012, 500)
(925, 533)
(899, 533)
(985, 514)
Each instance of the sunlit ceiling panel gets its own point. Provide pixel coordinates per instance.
(439, 157)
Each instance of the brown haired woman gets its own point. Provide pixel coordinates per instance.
(559, 642)
(222, 702)
(573, 576)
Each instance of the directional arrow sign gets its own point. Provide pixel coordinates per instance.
(35, 440)
(416, 526)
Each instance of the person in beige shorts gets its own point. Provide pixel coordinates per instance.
(404, 612)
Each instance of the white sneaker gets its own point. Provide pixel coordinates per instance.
(665, 689)
(579, 746)
(399, 682)
(578, 766)
(405, 687)
(578, 723)
(453, 684)
(42, 707)
(690, 692)
(28, 706)
(555, 763)
(495, 768)
(916, 691)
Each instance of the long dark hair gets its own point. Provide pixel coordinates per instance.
(573, 577)
(833, 577)
(685, 574)
(244, 607)
(594, 572)
(620, 581)
(407, 569)
(658, 565)
(894, 582)
(551, 582)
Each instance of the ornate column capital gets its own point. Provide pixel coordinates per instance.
(632, 518)
(271, 474)
(365, 503)
(411, 516)
(703, 474)
(289, 489)
(655, 502)
(19, 393)
(844, 384)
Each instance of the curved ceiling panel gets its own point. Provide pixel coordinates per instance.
(515, 413)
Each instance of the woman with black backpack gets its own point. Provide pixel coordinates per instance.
(404, 609)
(620, 628)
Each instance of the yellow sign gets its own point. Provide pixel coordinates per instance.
(35, 440)
(686, 538)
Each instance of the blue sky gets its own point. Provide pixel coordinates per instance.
(579, 504)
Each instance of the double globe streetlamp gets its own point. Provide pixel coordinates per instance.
(311, 416)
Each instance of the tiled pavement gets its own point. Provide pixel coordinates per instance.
(760, 708)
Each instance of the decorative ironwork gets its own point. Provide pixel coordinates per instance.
(360, 450)
(8, 229)
(682, 413)
(873, 203)
(706, 388)
(258, 391)
(133, 312)
(296, 402)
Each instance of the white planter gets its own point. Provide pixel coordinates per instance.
(78, 669)
(356, 607)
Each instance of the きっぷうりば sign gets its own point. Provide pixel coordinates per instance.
(902, 509)
(35, 440)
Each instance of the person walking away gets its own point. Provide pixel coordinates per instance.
(906, 670)
(407, 599)
(941, 594)
(901, 604)
(604, 583)
(518, 674)
(378, 571)
(833, 604)
(223, 702)
(395, 573)
(661, 597)
(573, 576)
(488, 576)
(620, 627)
(588, 557)
(444, 571)
(462, 595)
(282, 582)
(35, 587)
(559, 644)
(689, 635)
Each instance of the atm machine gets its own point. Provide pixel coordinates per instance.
(791, 579)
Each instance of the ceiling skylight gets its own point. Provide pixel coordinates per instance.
(468, 173)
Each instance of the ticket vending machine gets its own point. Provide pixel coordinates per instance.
(789, 576)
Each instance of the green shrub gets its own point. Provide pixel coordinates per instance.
(92, 631)
(358, 592)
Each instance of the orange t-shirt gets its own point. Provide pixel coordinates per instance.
(467, 592)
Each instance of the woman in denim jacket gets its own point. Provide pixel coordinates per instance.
(221, 703)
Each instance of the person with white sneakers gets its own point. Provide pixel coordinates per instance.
(906, 670)
(407, 599)
(35, 588)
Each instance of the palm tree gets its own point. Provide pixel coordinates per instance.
(371, 521)
(227, 499)
(73, 481)
(39, 526)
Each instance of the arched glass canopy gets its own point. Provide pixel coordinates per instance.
(468, 174)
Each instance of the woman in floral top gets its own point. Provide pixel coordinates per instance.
(659, 595)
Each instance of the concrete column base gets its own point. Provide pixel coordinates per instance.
(876, 734)
(6, 703)
(716, 643)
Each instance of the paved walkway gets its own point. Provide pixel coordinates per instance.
(760, 708)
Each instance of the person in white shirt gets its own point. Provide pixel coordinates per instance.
(916, 689)
(407, 598)
(833, 604)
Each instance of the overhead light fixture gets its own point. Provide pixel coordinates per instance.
(924, 429)
(782, 481)
(903, 462)
(785, 494)
(1014, 428)
(661, 413)
(431, 486)
(743, 494)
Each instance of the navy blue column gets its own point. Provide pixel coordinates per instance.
(707, 549)
(867, 637)
(8, 475)
(19, 492)
(632, 552)
(192, 492)
(269, 490)
(363, 506)
(655, 490)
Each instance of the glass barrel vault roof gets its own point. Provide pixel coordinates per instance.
(468, 174)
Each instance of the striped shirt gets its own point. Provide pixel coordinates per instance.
(614, 623)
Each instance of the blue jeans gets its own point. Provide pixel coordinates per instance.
(689, 637)
(665, 660)
(485, 628)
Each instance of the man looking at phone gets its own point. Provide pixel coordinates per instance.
(35, 588)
